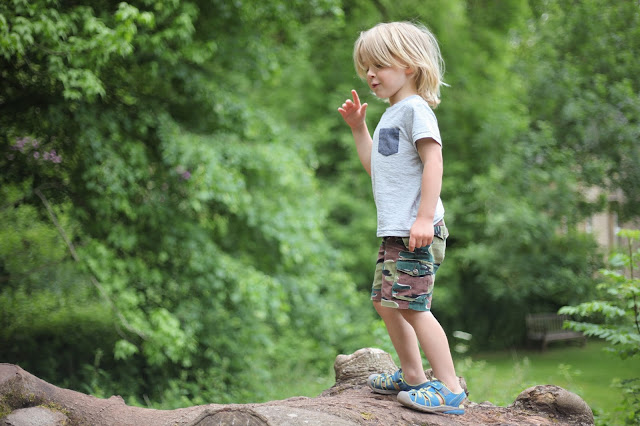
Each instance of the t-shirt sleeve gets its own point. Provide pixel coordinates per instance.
(425, 124)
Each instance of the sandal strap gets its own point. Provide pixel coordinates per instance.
(390, 381)
(437, 394)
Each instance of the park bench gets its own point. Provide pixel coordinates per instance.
(547, 328)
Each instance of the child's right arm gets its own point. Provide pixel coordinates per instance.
(353, 114)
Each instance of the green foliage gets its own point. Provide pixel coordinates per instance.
(616, 318)
(195, 236)
(630, 390)
(588, 91)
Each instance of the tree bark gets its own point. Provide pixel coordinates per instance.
(28, 400)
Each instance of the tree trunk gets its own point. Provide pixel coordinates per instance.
(28, 400)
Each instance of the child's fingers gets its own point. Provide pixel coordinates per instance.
(348, 106)
(356, 98)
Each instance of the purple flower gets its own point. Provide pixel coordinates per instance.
(20, 143)
(28, 145)
(54, 157)
(183, 172)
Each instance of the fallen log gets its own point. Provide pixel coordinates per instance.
(28, 400)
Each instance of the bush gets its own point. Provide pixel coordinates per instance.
(616, 316)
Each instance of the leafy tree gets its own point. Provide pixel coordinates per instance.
(584, 87)
(134, 142)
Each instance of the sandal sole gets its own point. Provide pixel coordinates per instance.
(384, 392)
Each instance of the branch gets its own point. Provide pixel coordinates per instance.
(92, 278)
(631, 273)
(382, 9)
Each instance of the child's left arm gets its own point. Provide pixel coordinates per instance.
(421, 233)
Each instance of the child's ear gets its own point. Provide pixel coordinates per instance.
(408, 71)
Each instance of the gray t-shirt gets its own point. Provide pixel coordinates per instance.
(396, 167)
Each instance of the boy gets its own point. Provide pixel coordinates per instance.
(401, 62)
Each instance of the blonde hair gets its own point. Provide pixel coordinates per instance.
(406, 45)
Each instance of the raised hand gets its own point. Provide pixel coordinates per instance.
(353, 112)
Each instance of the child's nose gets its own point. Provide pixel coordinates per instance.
(370, 72)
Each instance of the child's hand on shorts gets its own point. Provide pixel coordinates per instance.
(421, 233)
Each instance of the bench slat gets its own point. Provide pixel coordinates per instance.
(547, 327)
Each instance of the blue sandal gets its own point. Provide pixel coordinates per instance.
(434, 398)
(390, 383)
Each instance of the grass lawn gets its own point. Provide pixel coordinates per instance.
(587, 371)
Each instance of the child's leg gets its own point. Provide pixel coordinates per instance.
(435, 345)
(405, 342)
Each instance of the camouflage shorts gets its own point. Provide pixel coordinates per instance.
(404, 279)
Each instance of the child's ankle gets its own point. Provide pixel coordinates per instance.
(415, 379)
(455, 389)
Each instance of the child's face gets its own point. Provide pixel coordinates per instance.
(393, 83)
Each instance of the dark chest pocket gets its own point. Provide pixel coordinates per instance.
(388, 141)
